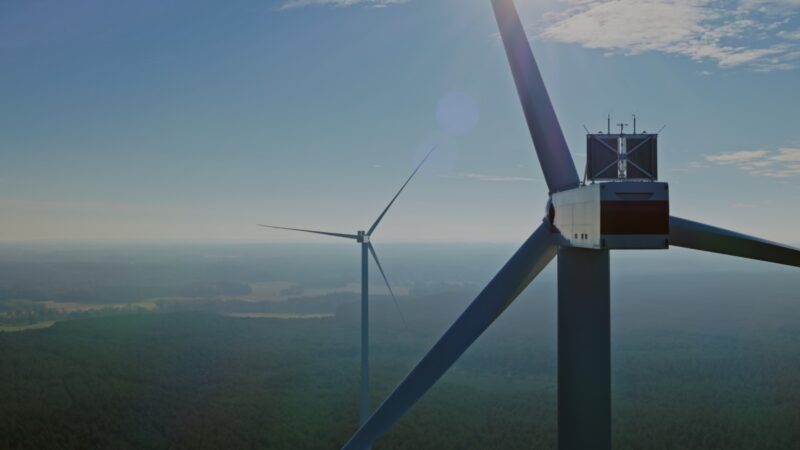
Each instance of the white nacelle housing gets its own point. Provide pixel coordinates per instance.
(614, 215)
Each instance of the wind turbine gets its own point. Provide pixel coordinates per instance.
(363, 238)
(582, 223)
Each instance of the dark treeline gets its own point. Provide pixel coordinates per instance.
(704, 356)
(202, 381)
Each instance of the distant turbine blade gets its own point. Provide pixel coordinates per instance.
(551, 148)
(698, 236)
(518, 272)
(378, 220)
(378, 263)
(348, 236)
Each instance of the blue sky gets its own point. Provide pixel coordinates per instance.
(168, 120)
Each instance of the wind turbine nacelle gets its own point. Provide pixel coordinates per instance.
(613, 215)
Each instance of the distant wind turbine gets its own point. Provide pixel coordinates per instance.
(363, 238)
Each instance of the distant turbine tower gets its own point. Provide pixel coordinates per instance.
(582, 223)
(363, 238)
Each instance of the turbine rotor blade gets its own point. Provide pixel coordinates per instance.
(380, 269)
(378, 220)
(551, 148)
(517, 273)
(698, 236)
(327, 233)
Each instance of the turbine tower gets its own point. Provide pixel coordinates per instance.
(583, 222)
(363, 238)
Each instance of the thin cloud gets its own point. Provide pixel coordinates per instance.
(737, 157)
(291, 4)
(753, 34)
(783, 163)
(788, 155)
